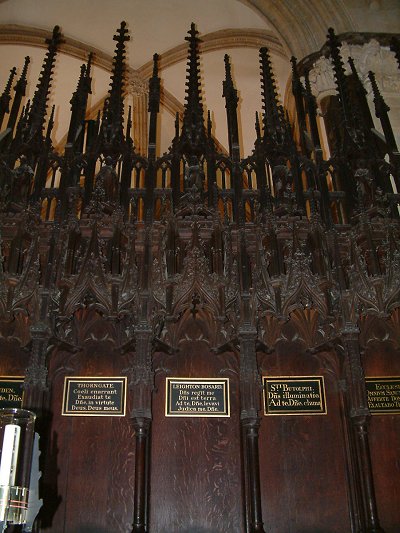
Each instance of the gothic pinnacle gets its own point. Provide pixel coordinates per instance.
(338, 69)
(113, 115)
(193, 131)
(272, 115)
(79, 102)
(38, 109)
(20, 88)
(5, 97)
(380, 104)
(229, 91)
(257, 126)
(154, 87)
(153, 106)
(231, 102)
(381, 111)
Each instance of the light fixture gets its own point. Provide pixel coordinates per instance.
(16, 436)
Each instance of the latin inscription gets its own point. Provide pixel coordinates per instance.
(197, 397)
(383, 395)
(11, 391)
(294, 395)
(92, 396)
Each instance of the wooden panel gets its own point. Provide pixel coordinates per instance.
(195, 463)
(13, 360)
(196, 471)
(90, 462)
(302, 458)
(382, 359)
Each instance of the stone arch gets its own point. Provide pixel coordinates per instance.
(302, 26)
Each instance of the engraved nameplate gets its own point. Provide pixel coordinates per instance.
(197, 397)
(11, 391)
(294, 395)
(93, 396)
(383, 395)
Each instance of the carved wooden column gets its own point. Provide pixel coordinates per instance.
(360, 417)
(142, 431)
(250, 403)
(35, 383)
(141, 417)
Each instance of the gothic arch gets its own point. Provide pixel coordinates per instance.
(302, 26)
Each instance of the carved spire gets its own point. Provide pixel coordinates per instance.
(273, 116)
(50, 126)
(231, 102)
(359, 103)
(177, 124)
(5, 97)
(112, 132)
(42, 167)
(258, 127)
(311, 104)
(339, 73)
(154, 106)
(154, 87)
(298, 93)
(381, 111)
(360, 85)
(356, 132)
(79, 102)
(129, 126)
(209, 124)
(193, 136)
(20, 89)
(22, 122)
(380, 104)
(210, 138)
(38, 109)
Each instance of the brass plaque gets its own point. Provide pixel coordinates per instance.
(383, 395)
(197, 397)
(294, 395)
(94, 396)
(11, 391)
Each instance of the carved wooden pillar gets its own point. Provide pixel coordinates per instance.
(35, 389)
(142, 432)
(355, 501)
(35, 383)
(141, 417)
(250, 403)
(360, 417)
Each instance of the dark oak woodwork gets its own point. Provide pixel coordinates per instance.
(200, 264)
